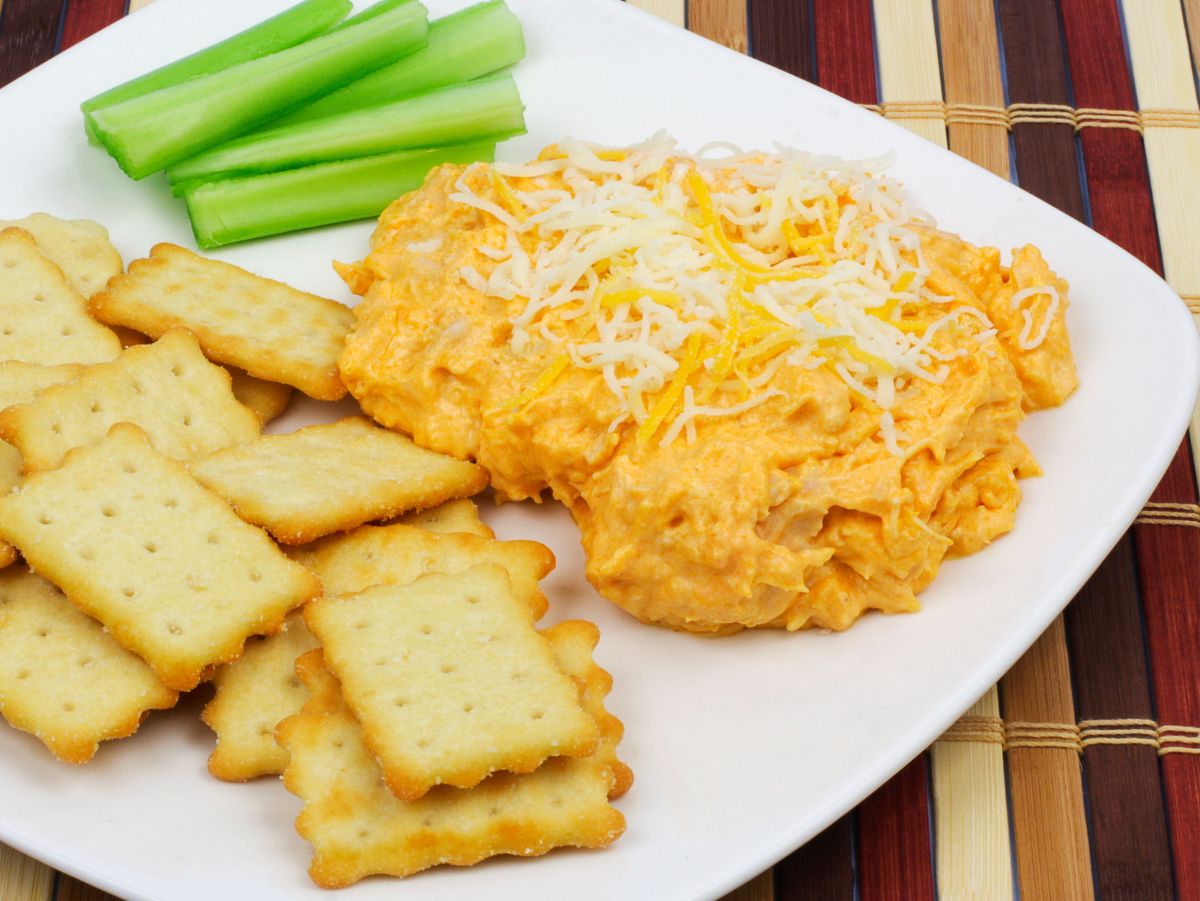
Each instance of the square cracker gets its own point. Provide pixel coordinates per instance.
(260, 688)
(329, 478)
(265, 327)
(62, 677)
(449, 680)
(19, 383)
(358, 828)
(42, 318)
(254, 693)
(398, 554)
(182, 401)
(163, 563)
(79, 247)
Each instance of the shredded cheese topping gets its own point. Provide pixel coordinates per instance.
(688, 282)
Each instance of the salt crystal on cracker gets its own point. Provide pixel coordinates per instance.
(449, 679)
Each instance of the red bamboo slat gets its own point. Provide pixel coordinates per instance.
(27, 39)
(894, 861)
(781, 34)
(823, 870)
(845, 49)
(85, 17)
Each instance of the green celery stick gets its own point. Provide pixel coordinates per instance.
(369, 13)
(476, 41)
(148, 133)
(291, 27)
(486, 109)
(225, 212)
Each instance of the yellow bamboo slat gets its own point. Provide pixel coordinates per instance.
(73, 890)
(971, 66)
(673, 11)
(135, 5)
(970, 814)
(1191, 11)
(23, 878)
(1045, 775)
(1162, 75)
(723, 21)
(761, 888)
(909, 76)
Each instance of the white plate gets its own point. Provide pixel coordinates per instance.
(743, 747)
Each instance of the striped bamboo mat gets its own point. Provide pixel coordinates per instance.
(1078, 776)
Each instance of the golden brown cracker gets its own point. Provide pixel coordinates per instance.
(358, 828)
(62, 677)
(265, 327)
(19, 383)
(253, 694)
(329, 478)
(168, 389)
(449, 679)
(267, 399)
(42, 318)
(79, 247)
(163, 563)
(398, 554)
(453, 516)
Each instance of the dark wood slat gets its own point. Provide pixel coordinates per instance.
(781, 34)
(822, 870)
(70, 889)
(845, 49)
(28, 30)
(895, 860)
(1125, 804)
(85, 17)
(1037, 73)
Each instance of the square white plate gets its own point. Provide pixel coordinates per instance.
(743, 747)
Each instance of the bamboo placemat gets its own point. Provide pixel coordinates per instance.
(1078, 776)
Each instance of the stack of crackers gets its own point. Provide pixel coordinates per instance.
(393, 674)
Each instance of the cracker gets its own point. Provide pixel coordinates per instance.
(163, 563)
(42, 318)
(19, 383)
(265, 327)
(260, 688)
(449, 680)
(329, 478)
(453, 516)
(183, 402)
(62, 677)
(252, 695)
(79, 247)
(398, 554)
(358, 828)
(266, 399)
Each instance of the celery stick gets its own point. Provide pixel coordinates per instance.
(147, 133)
(225, 212)
(486, 109)
(369, 13)
(291, 27)
(476, 41)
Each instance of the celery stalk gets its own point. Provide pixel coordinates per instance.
(476, 41)
(486, 109)
(291, 27)
(147, 133)
(369, 13)
(225, 212)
